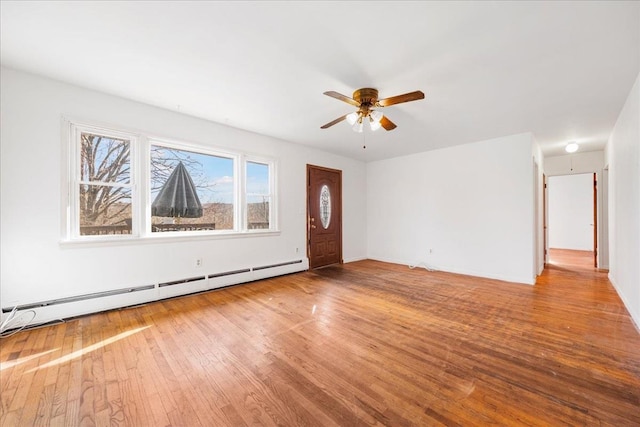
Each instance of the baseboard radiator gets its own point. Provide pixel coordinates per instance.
(68, 307)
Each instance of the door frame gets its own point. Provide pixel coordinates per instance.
(595, 220)
(603, 221)
(596, 205)
(545, 214)
(339, 213)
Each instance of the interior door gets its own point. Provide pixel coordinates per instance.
(324, 216)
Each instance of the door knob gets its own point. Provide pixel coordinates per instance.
(313, 226)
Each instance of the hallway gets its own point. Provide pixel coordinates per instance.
(571, 259)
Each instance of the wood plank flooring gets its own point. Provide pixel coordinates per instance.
(366, 343)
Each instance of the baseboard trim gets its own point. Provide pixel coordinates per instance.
(627, 305)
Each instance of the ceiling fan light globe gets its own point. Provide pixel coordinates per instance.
(352, 118)
(357, 127)
(375, 116)
(375, 125)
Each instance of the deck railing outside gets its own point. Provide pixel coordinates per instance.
(98, 230)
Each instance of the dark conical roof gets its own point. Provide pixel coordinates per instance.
(178, 196)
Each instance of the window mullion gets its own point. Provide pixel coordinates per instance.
(240, 191)
(134, 180)
(143, 204)
(74, 190)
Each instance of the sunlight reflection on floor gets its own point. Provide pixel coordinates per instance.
(11, 363)
(88, 349)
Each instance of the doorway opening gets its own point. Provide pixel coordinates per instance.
(572, 220)
(570, 259)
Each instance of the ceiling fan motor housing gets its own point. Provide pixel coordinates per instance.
(366, 96)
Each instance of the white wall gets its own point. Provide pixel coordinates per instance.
(623, 160)
(37, 267)
(577, 163)
(571, 212)
(467, 209)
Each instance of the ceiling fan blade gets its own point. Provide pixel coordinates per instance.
(387, 124)
(338, 120)
(411, 96)
(342, 97)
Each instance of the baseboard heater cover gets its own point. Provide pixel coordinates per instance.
(123, 291)
(264, 267)
(181, 281)
(77, 298)
(229, 273)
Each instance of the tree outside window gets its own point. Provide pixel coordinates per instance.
(105, 185)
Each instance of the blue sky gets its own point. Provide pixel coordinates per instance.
(257, 181)
(213, 177)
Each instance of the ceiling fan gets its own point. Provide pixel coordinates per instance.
(366, 99)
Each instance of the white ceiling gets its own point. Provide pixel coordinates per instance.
(561, 70)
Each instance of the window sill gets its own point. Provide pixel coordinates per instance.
(163, 238)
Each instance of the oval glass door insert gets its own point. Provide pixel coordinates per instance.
(325, 206)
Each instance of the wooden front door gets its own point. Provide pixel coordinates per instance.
(324, 216)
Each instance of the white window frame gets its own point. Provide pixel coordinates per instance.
(75, 180)
(140, 179)
(271, 164)
(198, 149)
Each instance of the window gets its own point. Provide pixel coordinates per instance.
(103, 183)
(126, 186)
(191, 191)
(258, 195)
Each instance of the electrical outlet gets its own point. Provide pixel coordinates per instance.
(198, 262)
(297, 250)
(430, 251)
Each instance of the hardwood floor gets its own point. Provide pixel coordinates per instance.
(367, 343)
